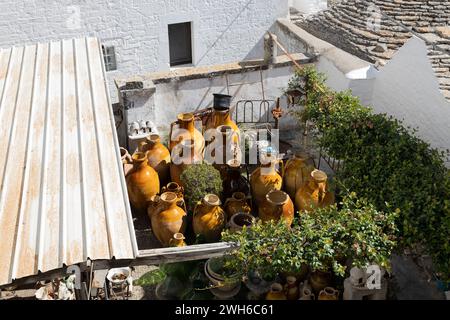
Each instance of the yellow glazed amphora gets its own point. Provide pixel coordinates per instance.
(296, 173)
(183, 156)
(236, 204)
(184, 129)
(142, 182)
(314, 194)
(158, 157)
(209, 219)
(277, 205)
(266, 178)
(167, 219)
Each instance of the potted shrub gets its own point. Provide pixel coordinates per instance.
(223, 277)
(199, 180)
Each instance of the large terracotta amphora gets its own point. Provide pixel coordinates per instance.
(277, 205)
(175, 188)
(183, 156)
(168, 219)
(185, 129)
(314, 194)
(236, 204)
(266, 178)
(158, 157)
(297, 172)
(276, 292)
(234, 181)
(142, 182)
(209, 218)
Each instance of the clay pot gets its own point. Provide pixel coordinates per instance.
(209, 218)
(276, 206)
(276, 292)
(234, 181)
(297, 172)
(177, 240)
(236, 204)
(257, 285)
(305, 291)
(175, 188)
(221, 113)
(168, 219)
(328, 293)
(239, 221)
(142, 182)
(319, 280)
(224, 287)
(314, 194)
(158, 157)
(186, 130)
(127, 161)
(291, 288)
(183, 156)
(265, 179)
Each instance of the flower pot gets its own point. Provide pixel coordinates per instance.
(213, 268)
(328, 293)
(142, 182)
(186, 131)
(158, 157)
(314, 194)
(236, 204)
(183, 156)
(209, 218)
(276, 206)
(297, 172)
(265, 179)
(239, 221)
(319, 280)
(234, 181)
(276, 292)
(177, 240)
(168, 219)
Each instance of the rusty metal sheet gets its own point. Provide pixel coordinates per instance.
(63, 197)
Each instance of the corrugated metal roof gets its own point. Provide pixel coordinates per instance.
(63, 196)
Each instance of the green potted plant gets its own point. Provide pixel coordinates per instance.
(199, 180)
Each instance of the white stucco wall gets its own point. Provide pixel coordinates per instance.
(407, 89)
(223, 31)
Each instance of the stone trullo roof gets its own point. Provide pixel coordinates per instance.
(352, 26)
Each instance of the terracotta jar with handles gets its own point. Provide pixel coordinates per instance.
(276, 292)
(185, 129)
(175, 188)
(209, 218)
(221, 113)
(236, 204)
(291, 288)
(158, 157)
(314, 194)
(142, 182)
(183, 156)
(265, 179)
(276, 206)
(328, 294)
(168, 219)
(297, 173)
(225, 149)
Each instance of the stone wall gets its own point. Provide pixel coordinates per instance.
(223, 31)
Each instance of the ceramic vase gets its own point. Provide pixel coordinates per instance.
(265, 179)
(177, 240)
(236, 204)
(234, 181)
(239, 221)
(276, 206)
(314, 194)
(297, 172)
(168, 219)
(127, 161)
(183, 156)
(142, 182)
(158, 157)
(291, 288)
(328, 293)
(209, 218)
(276, 292)
(185, 129)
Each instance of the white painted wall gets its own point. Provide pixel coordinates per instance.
(223, 31)
(408, 89)
(309, 6)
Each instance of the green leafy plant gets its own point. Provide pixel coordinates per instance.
(385, 163)
(324, 240)
(199, 180)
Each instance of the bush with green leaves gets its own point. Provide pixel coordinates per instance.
(324, 240)
(199, 180)
(385, 163)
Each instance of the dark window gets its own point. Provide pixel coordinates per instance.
(180, 43)
(109, 55)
